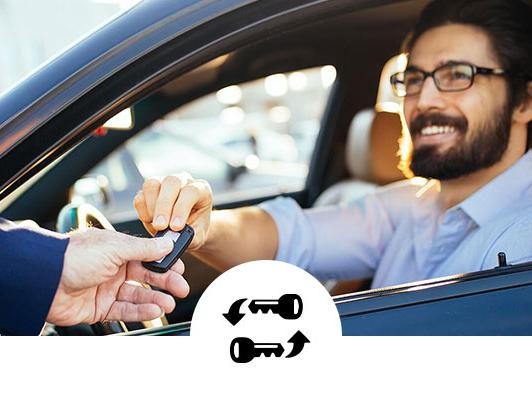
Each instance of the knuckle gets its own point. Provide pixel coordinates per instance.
(204, 186)
(94, 233)
(151, 184)
(192, 190)
(172, 180)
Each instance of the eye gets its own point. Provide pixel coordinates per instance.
(460, 72)
(413, 78)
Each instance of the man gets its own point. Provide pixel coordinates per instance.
(67, 280)
(468, 106)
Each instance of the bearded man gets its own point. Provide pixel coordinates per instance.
(467, 105)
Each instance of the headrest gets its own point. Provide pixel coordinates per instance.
(373, 138)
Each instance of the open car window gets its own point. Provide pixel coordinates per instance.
(249, 140)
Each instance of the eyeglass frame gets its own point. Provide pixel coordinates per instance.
(476, 70)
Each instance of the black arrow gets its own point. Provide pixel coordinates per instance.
(298, 341)
(233, 315)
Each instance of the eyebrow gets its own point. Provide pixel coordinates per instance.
(441, 63)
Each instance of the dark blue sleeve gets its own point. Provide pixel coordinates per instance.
(31, 262)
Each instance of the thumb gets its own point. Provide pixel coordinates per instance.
(132, 248)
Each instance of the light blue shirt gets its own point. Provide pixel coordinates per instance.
(401, 234)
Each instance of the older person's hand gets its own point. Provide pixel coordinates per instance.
(94, 283)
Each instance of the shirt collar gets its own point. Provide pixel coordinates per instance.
(503, 192)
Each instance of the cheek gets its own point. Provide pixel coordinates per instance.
(484, 104)
(478, 109)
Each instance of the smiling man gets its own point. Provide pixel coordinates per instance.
(468, 106)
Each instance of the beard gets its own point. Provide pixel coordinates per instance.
(472, 151)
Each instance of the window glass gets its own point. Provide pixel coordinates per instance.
(246, 140)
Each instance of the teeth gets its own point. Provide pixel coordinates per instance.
(437, 130)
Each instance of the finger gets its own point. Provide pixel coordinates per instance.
(131, 248)
(200, 227)
(178, 267)
(129, 312)
(139, 202)
(141, 295)
(195, 195)
(168, 194)
(171, 281)
(151, 189)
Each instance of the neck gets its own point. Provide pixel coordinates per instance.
(454, 191)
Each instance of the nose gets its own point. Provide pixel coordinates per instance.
(430, 98)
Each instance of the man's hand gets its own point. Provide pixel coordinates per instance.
(177, 200)
(93, 286)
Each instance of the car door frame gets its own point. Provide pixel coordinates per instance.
(491, 302)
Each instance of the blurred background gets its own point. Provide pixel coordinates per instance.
(248, 140)
(33, 31)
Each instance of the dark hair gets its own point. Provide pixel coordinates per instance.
(508, 23)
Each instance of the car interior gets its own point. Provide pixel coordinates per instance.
(355, 151)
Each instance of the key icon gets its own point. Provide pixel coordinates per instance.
(243, 350)
(289, 306)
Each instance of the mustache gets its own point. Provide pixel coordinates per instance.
(423, 120)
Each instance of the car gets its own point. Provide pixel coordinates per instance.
(162, 57)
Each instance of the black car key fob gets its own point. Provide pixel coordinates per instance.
(181, 240)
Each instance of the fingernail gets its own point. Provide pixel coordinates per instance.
(164, 244)
(160, 220)
(176, 222)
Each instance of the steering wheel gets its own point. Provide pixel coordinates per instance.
(81, 217)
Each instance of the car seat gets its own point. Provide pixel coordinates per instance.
(371, 151)
(372, 156)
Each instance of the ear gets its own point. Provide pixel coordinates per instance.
(523, 112)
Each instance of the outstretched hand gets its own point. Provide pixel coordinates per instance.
(94, 284)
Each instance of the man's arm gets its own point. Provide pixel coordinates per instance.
(237, 236)
(31, 263)
(329, 243)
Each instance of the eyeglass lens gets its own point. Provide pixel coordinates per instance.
(447, 78)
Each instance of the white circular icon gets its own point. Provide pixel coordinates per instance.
(265, 312)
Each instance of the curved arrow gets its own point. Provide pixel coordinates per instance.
(298, 340)
(234, 315)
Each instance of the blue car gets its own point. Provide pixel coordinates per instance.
(258, 97)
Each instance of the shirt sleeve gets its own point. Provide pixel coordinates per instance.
(31, 263)
(340, 242)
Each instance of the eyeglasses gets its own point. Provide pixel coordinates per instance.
(452, 77)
